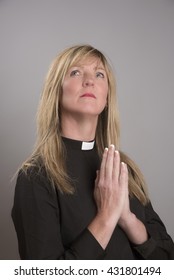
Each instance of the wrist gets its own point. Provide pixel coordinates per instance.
(106, 221)
(127, 221)
(102, 228)
(134, 229)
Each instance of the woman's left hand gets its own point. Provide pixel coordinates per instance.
(126, 212)
(132, 226)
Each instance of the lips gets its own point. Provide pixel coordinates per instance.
(88, 94)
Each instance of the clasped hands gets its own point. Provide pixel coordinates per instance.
(112, 199)
(111, 188)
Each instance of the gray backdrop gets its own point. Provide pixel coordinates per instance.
(138, 37)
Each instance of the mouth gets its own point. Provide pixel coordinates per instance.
(88, 94)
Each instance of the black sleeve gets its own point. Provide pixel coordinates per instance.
(35, 215)
(159, 246)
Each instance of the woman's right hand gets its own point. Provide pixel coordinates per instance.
(111, 186)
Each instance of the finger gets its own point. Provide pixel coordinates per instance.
(123, 179)
(103, 165)
(109, 163)
(116, 166)
(127, 180)
(97, 177)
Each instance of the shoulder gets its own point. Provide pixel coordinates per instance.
(33, 191)
(33, 177)
(35, 172)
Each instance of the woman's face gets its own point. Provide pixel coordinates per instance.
(85, 89)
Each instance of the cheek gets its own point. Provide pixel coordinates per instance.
(66, 88)
(105, 92)
(103, 100)
(69, 88)
(68, 97)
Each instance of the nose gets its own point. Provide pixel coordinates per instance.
(88, 80)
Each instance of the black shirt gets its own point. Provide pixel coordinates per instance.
(52, 225)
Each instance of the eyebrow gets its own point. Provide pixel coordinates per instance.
(99, 68)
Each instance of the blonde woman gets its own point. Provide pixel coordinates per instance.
(78, 196)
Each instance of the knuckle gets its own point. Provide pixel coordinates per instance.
(100, 183)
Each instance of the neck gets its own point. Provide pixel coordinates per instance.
(82, 129)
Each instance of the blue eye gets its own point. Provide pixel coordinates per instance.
(74, 73)
(100, 75)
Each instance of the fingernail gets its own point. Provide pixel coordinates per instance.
(112, 146)
(124, 164)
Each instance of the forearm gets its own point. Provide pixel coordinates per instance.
(134, 229)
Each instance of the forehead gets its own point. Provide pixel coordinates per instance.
(90, 60)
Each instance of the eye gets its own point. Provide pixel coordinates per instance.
(75, 73)
(100, 75)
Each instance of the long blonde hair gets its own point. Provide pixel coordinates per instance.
(49, 148)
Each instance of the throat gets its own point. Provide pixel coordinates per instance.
(79, 129)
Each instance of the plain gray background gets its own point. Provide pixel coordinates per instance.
(138, 37)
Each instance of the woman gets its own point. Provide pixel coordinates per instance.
(78, 196)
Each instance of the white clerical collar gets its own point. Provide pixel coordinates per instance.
(87, 145)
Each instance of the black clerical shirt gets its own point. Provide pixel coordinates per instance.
(52, 225)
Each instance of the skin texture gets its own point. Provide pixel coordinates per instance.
(112, 199)
(84, 97)
(79, 112)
